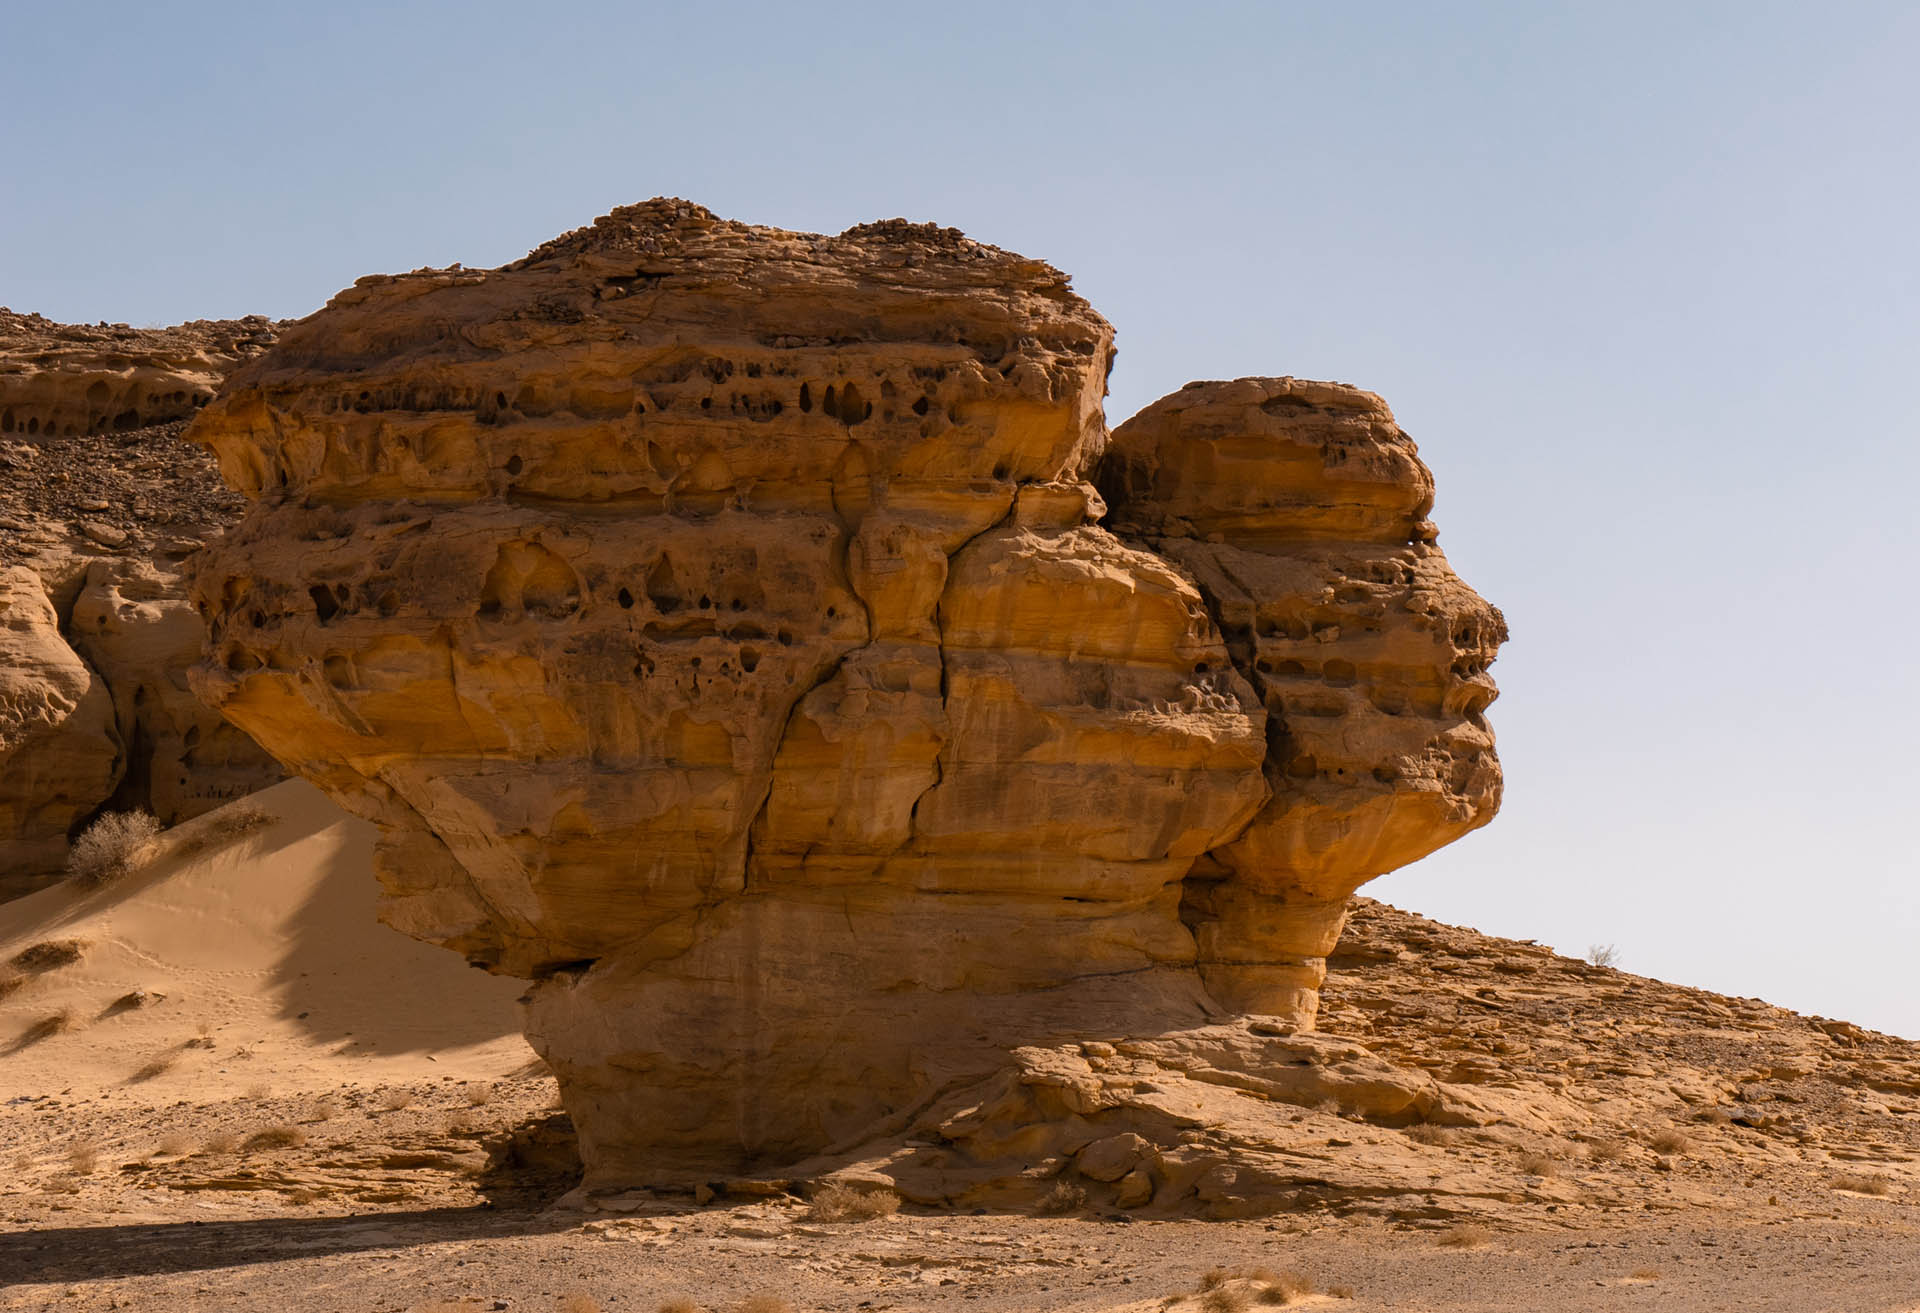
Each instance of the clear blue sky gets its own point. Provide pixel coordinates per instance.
(1640, 278)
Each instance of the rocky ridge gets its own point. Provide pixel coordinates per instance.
(102, 505)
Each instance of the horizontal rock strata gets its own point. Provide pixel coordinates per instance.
(721, 626)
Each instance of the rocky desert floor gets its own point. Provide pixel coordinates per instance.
(225, 1086)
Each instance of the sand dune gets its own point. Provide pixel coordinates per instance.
(245, 953)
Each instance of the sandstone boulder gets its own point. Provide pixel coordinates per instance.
(59, 752)
(720, 626)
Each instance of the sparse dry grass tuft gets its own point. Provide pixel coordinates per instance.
(1539, 1164)
(175, 1144)
(46, 1028)
(1464, 1237)
(277, 1137)
(83, 1158)
(1671, 1142)
(461, 1123)
(1214, 1277)
(1645, 1274)
(1603, 955)
(1225, 1300)
(220, 1142)
(114, 845)
(395, 1100)
(48, 955)
(1427, 1133)
(1606, 1151)
(1064, 1197)
(1282, 1287)
(219, 828)
(578, 1301)
(678, 1304)
(324, 1110)
(259, 1091)
(159, 1066)
(477, 1093)
(842, 1203)
(764, 1304)
(1862, 1183)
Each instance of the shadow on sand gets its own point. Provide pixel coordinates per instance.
(88, 1253)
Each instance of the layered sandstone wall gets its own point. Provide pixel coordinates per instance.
(721, 626)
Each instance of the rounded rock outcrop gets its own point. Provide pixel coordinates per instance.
(721, 627)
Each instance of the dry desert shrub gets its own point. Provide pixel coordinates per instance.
(478, 1094)
(112, 846)
(1862, 1183)
(1671, 1142)
(1427, 1133)
(83, 1158)
(461, 1123)
(579, 1301)
(1538, 1164)
(259, 1091)
(48, 955)
(277, 1137)
(46, 1028)
(1603, 955)
(159, 1066)
(678, 1304)
(841, 1203)
(220, 1142)
(175, 1144)
(1463, 1237)
(1064, 1197)
(325, 1110)
(764, 1304)
(1226, 1299)
(1645, 1274)
(395, 1100)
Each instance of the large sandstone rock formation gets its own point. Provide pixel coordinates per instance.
(720, 625)
(101, 509)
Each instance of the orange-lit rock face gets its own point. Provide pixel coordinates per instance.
(1299, 511)
(719, 624)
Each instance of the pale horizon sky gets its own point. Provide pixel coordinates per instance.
(1640, 278)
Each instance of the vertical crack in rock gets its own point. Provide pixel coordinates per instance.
(727, 609)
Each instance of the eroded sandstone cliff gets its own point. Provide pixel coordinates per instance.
(101, 509)
(720, 625)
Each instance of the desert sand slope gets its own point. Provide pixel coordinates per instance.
(246, 952)
(228, 1026)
